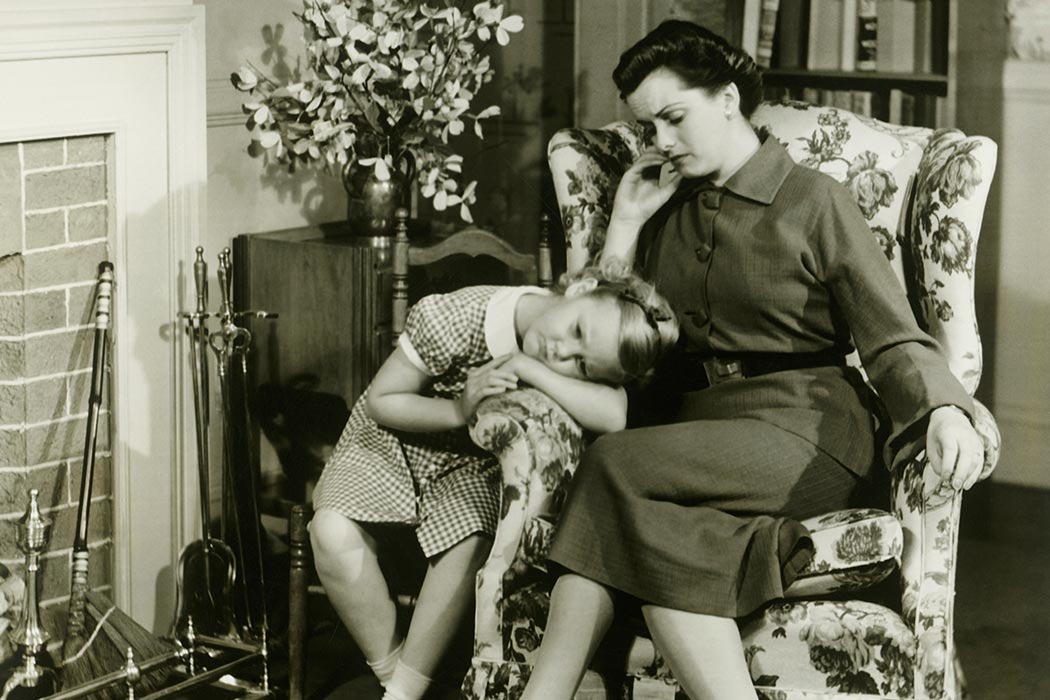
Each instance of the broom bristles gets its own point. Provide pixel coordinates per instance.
(109, 632)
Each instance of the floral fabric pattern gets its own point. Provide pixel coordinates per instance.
(923, 194)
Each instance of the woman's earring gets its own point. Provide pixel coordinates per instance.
(729, 115)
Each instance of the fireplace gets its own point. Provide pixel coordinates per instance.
(55, 229)
(102, 156)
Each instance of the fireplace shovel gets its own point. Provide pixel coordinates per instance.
(207, 569)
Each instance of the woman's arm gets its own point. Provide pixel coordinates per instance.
(394, 398)
(597, 407)
(903, 363)
(644, 188)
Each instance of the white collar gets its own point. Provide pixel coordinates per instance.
(501, 336)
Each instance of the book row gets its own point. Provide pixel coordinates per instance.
(893, 105)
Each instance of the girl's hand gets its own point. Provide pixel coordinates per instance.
(954, 447)
(487, 380)
(644, 188)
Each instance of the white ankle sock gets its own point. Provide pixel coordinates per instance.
(384, 668)
(407, 684)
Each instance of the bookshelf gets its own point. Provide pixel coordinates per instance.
(814, 56)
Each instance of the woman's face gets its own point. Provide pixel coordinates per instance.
(691, 125)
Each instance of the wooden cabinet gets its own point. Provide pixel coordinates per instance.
(307, 367)
(332, 297)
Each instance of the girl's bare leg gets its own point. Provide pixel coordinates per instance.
(580, 613)
(704, 652)
(346, 562)
(446, 598)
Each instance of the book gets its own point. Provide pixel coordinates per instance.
(848, 36)
(894, 111)
(749, 29)
(923, 36)
(767, 26)
(895, 46)
(792, 30)
(860, 102)
(842, 99)
(867, 34)
(824, 48)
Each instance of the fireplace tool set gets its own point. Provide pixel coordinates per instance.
(221, 589)
(105, 654)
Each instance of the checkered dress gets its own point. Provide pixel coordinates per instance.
(441, 483)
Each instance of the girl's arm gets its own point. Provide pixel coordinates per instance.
(394, 398)
(599, 408)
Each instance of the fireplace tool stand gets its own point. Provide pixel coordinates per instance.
(34, 678)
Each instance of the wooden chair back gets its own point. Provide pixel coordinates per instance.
(534, 268)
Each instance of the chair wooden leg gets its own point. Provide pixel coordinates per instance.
(298, 582)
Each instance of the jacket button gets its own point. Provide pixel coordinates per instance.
(703, 253)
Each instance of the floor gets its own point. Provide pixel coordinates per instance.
(1002, 612)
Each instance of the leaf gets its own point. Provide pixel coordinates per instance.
(269, 139)
(261, 115)
(382, 170)
(464, 213)
(244, 79)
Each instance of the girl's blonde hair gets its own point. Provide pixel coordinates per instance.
(648, 327)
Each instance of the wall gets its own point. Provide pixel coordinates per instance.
(55, 205)
(1004, 93)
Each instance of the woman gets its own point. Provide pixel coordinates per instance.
(771, 268)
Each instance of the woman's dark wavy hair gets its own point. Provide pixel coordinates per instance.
(698, 56)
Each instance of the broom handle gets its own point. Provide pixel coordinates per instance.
(79, 583)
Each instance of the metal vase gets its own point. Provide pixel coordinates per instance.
(371, 202)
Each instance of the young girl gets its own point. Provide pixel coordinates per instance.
(405, 457)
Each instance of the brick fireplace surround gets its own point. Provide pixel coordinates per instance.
(54, 214)
(102, 156)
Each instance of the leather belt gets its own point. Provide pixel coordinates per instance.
(698, 371)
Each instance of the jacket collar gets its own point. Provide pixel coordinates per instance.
(761, 176)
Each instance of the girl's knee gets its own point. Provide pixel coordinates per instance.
(331, 533)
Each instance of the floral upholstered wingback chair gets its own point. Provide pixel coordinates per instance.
(923, 194)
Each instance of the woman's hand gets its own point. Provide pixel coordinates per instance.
(644, 188)
(489, 379)
(955, 449)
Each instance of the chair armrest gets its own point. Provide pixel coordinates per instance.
(538, 446)
(929, 514)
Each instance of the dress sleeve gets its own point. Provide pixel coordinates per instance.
(438, 333)
(905, 365)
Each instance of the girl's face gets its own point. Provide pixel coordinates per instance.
(691, 125)
(579, 336)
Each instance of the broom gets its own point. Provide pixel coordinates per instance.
(98, 634)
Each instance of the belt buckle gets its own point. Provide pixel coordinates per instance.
(719, 371)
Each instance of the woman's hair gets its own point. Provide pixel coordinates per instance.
(648, 327)
(698, 56)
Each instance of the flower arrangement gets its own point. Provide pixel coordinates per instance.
(389, 82)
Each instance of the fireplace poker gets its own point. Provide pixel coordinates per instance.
(228, 342)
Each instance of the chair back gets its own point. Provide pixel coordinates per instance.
(472, 242)
(921, 191)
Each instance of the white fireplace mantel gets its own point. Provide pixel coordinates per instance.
(133, 70)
